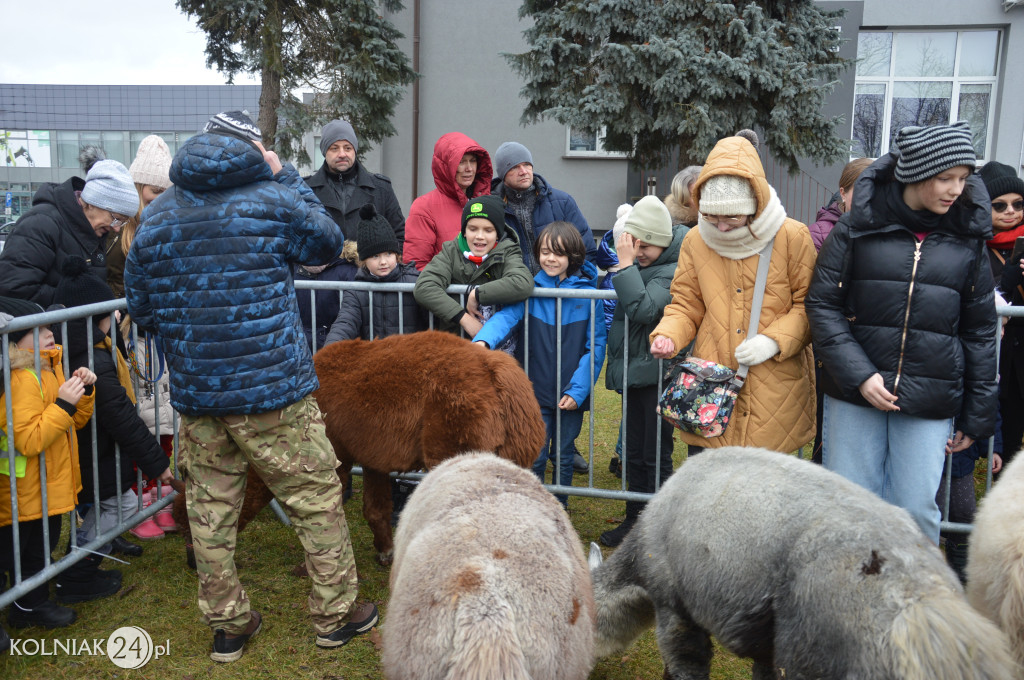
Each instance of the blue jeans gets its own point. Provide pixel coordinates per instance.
(898, 457)
(571, 422)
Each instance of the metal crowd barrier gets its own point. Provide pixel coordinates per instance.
(139, 513)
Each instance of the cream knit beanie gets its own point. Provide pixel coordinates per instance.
(650, 221)
(727, 195)
(152, 164)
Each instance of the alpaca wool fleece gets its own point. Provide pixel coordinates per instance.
(493, 558)
(995, 571)
(854, 592)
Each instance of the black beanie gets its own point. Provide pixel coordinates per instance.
(374, 235)
(79, 286)
(15, 308)
(1001, 179)
(489, 207)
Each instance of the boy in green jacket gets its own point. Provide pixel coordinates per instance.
(486, 256)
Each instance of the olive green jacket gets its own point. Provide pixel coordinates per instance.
(501, 279)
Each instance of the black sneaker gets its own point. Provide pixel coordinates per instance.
(47, 614)
(5, 640)
(228, 648)
(87, 584)
(362, 618)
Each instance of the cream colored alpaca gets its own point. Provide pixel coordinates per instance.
(995, 561)
(489, 581)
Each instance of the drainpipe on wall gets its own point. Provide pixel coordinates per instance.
(415, 98)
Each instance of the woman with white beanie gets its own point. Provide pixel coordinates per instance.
(151, 172)
(66, 219)
(712, 293)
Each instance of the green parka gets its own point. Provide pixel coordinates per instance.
(501, 279)
(643, 294)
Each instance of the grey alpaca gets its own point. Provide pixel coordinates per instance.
(489, 580)
(793, 566)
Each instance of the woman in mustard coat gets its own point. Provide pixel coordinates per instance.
(712, 292)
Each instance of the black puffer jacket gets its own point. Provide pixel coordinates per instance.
(43, 238)
(354, 317)
(116, 421)
(921, 314)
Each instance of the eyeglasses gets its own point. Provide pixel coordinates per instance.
(1001, 206)
(731, 220)
(117, 222)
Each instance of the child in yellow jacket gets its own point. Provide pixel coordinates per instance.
(44, 407)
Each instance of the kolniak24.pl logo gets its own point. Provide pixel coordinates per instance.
(127, 647)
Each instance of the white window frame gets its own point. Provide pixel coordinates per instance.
(600, 152)
(891, 79)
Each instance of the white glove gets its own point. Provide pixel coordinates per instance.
(756, 350)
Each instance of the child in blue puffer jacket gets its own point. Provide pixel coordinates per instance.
(563, 397)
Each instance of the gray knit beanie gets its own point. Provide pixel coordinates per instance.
(727, 195)
(650, 221)
(335, 131)
(108, 186)
(926, 151)
(508, 156)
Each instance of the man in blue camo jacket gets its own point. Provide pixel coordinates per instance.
(209, 273)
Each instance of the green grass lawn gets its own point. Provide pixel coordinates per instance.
(159, 595)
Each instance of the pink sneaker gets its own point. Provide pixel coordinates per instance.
(147, 530)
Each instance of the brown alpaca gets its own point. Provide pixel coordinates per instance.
(408, 402)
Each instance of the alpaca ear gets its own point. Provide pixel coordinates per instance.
(596, 558)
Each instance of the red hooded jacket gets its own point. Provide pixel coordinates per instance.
(436, 216)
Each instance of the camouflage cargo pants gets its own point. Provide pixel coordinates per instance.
(290, 451)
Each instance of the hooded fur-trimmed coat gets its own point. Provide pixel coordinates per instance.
(711, 299)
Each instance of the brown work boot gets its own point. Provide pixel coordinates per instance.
(361, 619)
(228, 648)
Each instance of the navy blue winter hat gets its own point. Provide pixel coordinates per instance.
(926, 151)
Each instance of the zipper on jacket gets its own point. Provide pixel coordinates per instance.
(906, 316)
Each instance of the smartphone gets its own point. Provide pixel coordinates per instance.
(1018, 249)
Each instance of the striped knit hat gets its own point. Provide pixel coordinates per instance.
(926, 151)
(234, 123)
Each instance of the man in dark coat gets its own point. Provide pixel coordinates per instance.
(344, 186)
(531, 203)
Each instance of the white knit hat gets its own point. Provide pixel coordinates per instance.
(108, 186)
(152, 164)
(621, 213)
(727, 195)
(650, 221)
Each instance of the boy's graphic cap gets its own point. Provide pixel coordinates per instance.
(490, 208)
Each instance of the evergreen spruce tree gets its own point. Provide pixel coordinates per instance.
(662, 75)
(342, 50)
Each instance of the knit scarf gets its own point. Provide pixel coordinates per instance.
(1004, 239)
(743, 242)
(463, 246)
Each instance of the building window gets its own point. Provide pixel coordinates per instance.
(25, 148)
(71, 142)
(923, 78)
(588, 143)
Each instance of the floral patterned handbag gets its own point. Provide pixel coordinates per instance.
(700, 395)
